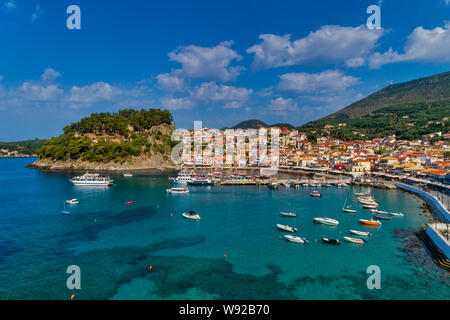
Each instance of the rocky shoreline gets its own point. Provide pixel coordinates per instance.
(140, 163)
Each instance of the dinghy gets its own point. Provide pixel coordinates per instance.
(288, 214)
(291, 238)
(354, 240)
(286, 228)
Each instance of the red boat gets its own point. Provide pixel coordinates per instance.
(129, 202)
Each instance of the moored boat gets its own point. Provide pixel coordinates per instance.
(315, 194)
(379, 216)
(288, 214)
(91, 179)
(369, 206)
(354, 240)
(73, 201)
(292, 238)
(360, 233)
(330, 241)
(396, 214)
(178, 190)
(328, 221)
(286, 228)
(127, 175)
(371, 222)
(191, 215)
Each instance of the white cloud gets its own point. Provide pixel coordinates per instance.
(50, 75)
(281, 106)
(177, 103)
(232, 97)
(171, 82)
(422, 45)
(99, 91)
(329, 44)
(37, 92)
(317, 83)
(38, 12)
(210, 63)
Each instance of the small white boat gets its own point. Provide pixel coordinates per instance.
(354, 240)
(178, 190)
(369, 206)
(286, 228)
(315, 194)
(288, 214)
(127, 175)
(349, 210)
(360, 233)
(328, 221)
(396, 214)
(291, 238)
(191, 215)
(73, 201)
(379, 211)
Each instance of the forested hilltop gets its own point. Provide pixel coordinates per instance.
(129, 138)
(20, 148)
(409, 110)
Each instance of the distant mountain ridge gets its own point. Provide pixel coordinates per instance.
(256, 124)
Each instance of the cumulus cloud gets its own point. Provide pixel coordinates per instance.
(171, 82)
(281, 106)
(422, 45)
(329, 44)
(326, 81)
(38, 12)
(50, 75)
(99, 91)
(177, 103)
(232, 97)
(209, 63)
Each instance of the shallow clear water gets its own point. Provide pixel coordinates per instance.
(233, 252)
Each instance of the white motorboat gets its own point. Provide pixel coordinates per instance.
(354, 240)
(360, 233)
(191, 215)
(369, 206)
(396, 214)
(328, 221)
(349, 210)
(288, 214)
(286, 228)
(291, 238)
(178, 190)
(379, 211)
(127, 175)
(73, 201)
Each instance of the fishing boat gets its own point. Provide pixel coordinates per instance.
(286, 228)
(291, 238)
(396, 214)
(360, 233)
(91, 179)
(191, 215)
(371, 222)
(327, 221)
(73, 201)
(178, 190)
(330, 241)
(354, 240)
(288, 214)
(315, 194)
(369, 206)
(127, 175)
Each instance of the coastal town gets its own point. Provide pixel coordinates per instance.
(427, 158)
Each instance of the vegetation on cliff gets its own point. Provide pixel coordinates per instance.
(105, 137)
(26, 147)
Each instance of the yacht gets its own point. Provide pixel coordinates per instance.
(292, 238)
(191, 215)
(328, 221)
(91, 179)
(286, 228)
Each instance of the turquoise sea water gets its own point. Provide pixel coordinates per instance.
(114, 244)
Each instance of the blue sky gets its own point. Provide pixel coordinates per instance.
(216, 61)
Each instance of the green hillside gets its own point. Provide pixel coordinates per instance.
(408, 110)
(26, 147)
(104, 137)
